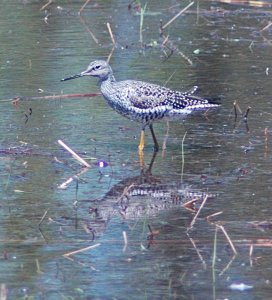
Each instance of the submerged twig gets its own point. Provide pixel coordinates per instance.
(151, 236)
(81, 250)
(142, 22)
(76, 156)
(189, 205)
(43, 217)
(125, 241)
(198, 252)
(89, 30)
(266, 27)
(228, 265)
(3, 291)
(250, 254)
(228, 238)
(213, 215)
(266, 133)
(47, 4)
(168, 79)
(125, 192)
(235, 110)
(245, 118)
(177, 15)
(113, 42)
(111, 35)
(65, 184)
(170, 46)
(83, 6)
(16, 100)
(200, 208)
(247, 112)
(110, 55)
(28, 114)
(236, 107)
(38, 267)
(182, 156)
(214, 252)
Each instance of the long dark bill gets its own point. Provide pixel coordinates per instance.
(72, 77)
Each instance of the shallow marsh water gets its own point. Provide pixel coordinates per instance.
(231, 60)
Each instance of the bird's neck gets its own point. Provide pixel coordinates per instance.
(108, 79)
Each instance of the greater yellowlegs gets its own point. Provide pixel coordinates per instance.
(142, 101)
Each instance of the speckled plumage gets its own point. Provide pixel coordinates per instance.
(141, 101)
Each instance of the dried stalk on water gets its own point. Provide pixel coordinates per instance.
(75, 156)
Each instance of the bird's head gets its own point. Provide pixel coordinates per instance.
(97, 68)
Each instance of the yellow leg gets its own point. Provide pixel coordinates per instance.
(141, 157)
(141, 145)
(141, 148)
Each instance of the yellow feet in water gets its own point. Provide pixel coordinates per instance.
(142, 142)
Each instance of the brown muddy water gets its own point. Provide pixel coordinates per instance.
(225, 49)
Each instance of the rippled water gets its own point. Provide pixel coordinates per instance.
(228, 161)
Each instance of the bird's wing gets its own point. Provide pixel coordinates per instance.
(146, 95)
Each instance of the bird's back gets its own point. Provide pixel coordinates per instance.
(146, 102)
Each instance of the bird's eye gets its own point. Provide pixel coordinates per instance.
(97, 67)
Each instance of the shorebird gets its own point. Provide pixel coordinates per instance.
(142, 101)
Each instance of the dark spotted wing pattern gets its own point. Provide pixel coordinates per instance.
(146, 96)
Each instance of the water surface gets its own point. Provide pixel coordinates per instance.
(230, 161)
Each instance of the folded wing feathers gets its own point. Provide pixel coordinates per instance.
(165, 97)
